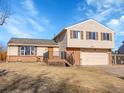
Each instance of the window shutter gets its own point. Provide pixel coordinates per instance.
(101, 36)
(71, 34)
(81, 34)
(18, 50)
(96, 35)
(87, 35)
(110, 36)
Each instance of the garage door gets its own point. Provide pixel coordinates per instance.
(94, 58)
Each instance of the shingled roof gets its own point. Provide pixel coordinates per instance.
(121, 48)
(31, 41)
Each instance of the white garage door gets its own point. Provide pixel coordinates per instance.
(94, 58)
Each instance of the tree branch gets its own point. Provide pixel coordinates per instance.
(4, 11)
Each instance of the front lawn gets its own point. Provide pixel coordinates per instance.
(40, 78)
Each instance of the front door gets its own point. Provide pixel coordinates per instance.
(50, 52)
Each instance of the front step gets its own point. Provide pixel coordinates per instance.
(68, 64)
(59, 62)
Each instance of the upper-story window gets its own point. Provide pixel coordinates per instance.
(106, 36)
(27, 50)
(76, 34)
(92, 35)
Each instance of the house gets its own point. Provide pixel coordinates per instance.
(85, 43)
(30, 50)
(121, 48)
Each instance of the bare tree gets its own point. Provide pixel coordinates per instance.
(1, 46)
(5, 11)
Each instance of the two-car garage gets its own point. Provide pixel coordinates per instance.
(94, 58)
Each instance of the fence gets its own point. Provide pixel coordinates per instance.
(118, 59)
(2, 56)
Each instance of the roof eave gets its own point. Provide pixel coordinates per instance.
(59, 33)
(14, 44)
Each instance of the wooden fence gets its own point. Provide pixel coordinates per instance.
(118, 59)
(2, 56)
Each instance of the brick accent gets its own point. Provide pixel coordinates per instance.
(75, 52)
(24, 58)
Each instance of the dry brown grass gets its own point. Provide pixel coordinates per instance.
(39, 78)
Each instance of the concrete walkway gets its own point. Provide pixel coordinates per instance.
(113, 69)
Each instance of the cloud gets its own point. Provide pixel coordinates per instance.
(35, 25)
(114, 22)
(16, 32)
(26, 21)
(99, 16)
(108, 12)
(15, 27)
(101, 10)
(30, 6)
(38, 22)
(117, 25)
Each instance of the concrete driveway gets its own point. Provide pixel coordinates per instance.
(113, 69)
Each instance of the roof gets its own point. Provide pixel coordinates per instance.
(82, 22)
(21, 41)
(121, 48)
(59, 34)
(89, 20)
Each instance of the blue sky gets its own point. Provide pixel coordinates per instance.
(45, 18)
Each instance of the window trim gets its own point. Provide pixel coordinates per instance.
(76, 34)
(24, 51)
(92, 35)
(106, 36)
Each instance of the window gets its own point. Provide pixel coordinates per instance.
(76, 34)
(27, 50)
(62, 54)
(106, 36)
(22, 50)
(92, 35)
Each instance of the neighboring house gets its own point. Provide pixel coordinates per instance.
(121, 49)
(85, 43)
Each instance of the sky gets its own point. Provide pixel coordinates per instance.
(43, 19)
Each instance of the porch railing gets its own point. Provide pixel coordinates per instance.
(60, 54)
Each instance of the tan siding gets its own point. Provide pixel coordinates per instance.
(55, 51)
(12, 50)
(62, 40)
(41, 51)
(91, 26)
